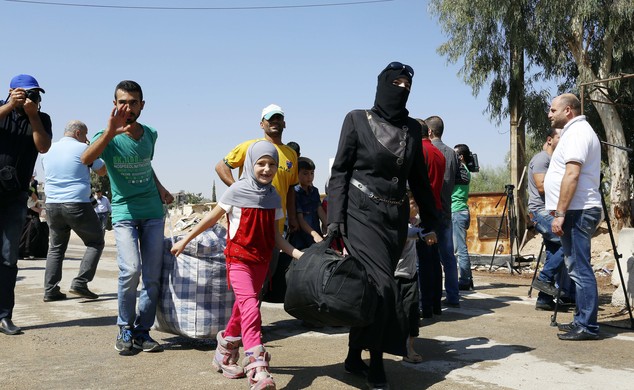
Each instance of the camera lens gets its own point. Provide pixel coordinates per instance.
(33, 95)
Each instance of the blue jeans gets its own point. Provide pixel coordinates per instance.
(139, 256)
(12, 217)
(578, 227)
(82, 219)
(553, 270)
(448, 261)
(460, 221)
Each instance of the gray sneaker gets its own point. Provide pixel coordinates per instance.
(124, 339)
(144, 342)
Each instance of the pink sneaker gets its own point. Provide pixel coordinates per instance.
(227, 355)
(256, 367)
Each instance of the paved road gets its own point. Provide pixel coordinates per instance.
(496, 340)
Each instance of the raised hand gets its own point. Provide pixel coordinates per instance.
(118, 121)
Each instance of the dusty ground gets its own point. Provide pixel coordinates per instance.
(495, 340)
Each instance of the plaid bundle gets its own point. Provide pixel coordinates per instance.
(195, 300)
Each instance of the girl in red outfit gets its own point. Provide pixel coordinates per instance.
(252, 206)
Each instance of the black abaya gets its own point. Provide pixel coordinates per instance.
(383, 158)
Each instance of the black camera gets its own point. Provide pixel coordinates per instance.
(471, 161)
(9, 182)
(33, 95)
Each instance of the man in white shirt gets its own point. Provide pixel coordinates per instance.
(102, 208)
(572, 193)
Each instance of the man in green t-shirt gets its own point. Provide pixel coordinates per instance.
(127, 148)
(460, 218)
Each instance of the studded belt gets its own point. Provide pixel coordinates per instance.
(357, 184)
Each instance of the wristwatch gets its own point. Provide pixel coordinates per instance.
(559, 215)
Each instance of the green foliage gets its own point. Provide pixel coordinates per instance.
(482, 33)
(490, 179)
(191, 198)
(181, 198)
(563, 42)
(101, 182)
(558, 39)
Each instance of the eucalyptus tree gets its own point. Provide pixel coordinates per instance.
(567, 42)
(491, 39)
(586, 41)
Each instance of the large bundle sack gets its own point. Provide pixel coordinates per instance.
(325, 287)
(195, 300)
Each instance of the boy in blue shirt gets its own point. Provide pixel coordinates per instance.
(310, 214)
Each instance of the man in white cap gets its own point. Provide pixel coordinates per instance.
(273, 124)
(25, 131)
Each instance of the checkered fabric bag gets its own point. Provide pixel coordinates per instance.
(195, 300)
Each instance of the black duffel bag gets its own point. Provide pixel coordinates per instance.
(325, 287)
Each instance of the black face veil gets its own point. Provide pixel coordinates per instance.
(391, 99)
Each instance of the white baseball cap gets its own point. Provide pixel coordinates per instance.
(271, 110)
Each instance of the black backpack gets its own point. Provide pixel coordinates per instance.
(325, 287)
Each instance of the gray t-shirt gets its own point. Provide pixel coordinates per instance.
(451, 169)
(539, 164)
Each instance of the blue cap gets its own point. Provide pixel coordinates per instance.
(25, 81)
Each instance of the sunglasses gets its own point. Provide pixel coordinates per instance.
(397, 66)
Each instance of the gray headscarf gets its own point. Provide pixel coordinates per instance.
(248, 192)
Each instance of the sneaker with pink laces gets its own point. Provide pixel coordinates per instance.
(256, 367)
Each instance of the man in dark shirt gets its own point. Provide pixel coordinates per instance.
(24, 131)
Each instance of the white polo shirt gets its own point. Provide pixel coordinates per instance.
(578, 143)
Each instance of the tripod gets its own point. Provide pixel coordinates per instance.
(511, 220)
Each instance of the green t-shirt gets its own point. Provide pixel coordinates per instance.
(460, 194)
(129, 163)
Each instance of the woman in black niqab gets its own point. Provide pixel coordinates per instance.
(380, 152)
(391, 97)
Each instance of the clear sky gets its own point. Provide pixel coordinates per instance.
(207, 74)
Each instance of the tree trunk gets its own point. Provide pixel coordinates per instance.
(619, 199)
(518, 137)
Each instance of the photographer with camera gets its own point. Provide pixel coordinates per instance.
(25, 131)
(68, 207)
(460, 218)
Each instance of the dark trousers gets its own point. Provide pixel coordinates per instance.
(408, 289)
(429, 276)
(82, 219)
(12, 217)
